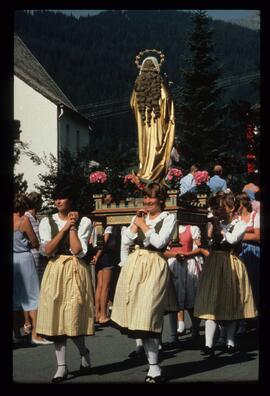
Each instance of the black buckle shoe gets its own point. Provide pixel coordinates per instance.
(56, 380)
(171, 345)
(231, 349)
(207, 351)
(139, 353)
(155, 380)
(85, 370)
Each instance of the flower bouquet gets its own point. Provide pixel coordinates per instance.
(201, 178)
(132, 185)
(98, 179)
(173, 177)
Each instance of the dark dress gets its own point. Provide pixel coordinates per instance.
(110, 257)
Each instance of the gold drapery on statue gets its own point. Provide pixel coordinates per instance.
(155, 141)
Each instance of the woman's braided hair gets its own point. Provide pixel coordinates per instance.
(148, 91)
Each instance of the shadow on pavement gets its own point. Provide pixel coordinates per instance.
(110, 368)
(182, 370)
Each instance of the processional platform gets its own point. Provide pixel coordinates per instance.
(191, 211)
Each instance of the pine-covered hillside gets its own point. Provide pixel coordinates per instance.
(92, 58)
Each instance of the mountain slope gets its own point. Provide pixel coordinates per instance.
(92, 58)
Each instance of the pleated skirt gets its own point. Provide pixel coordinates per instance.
(66, 302)
(144, 293)
(250, 256)
(224, 291)
(185, 275)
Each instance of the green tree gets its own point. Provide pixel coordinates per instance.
(197, 112)
(238, 115)
(19, 183)
(21, 148)
(74, 170)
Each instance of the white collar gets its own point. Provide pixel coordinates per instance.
(161, 216)
(56, 217)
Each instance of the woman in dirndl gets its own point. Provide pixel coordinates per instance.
(186, 269)
(66, 302)
(224, 293)
(145, 291)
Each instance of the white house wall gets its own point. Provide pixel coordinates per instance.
(38, 117)
(73, 135)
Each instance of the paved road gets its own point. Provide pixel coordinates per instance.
(110, 362)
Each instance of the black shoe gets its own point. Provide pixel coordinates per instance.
(231, 349)
(207, 351)
(56, 380)
(155, 380)
(171, 345)
(85, 370)
(138, 353)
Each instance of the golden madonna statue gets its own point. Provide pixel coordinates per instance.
(154, 113)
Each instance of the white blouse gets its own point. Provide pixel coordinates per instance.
(237, 233)
(158, 240)
(84, 231)
(256, 216)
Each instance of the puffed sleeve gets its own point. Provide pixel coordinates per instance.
(257, 220)
(108, 230)
(195, 232)
(45, 234)
(237, 233)
(84, 231)
(162, 238)
(124, 249)
(128, 236)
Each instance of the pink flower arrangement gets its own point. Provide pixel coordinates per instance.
(132, 184)
(98, 177)
(201, 177)
(128, 178)
(132, 179)
(174, 173)
(173, 177)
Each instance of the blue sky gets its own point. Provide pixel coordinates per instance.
(224, 15)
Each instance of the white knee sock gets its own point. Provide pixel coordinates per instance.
(85, 354)
(139, 344)
(60, 352)
(231, 328)
(210, 329)
(181, 326)
(151, 350)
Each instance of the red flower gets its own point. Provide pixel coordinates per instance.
(98, 177)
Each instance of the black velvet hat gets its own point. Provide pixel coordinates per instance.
(64, 191)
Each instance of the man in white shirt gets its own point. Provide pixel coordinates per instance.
(188, 182)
